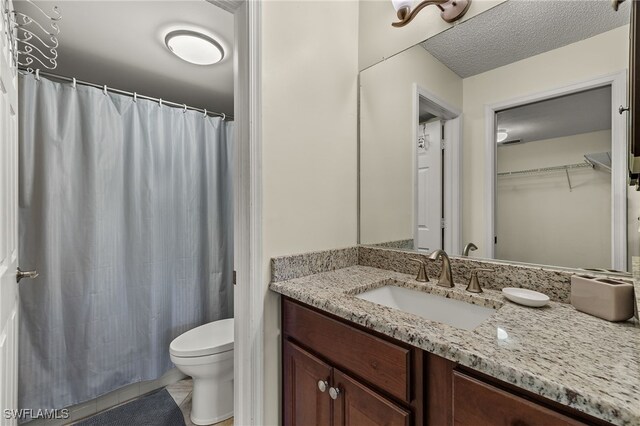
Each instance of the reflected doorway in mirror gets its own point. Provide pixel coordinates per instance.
(437, 175)
(615, 94)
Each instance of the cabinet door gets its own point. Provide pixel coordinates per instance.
(479, 404)
(357, 405)
(304, 403)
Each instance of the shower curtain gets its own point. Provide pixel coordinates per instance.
(126, 213)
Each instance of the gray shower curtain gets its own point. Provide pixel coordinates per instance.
(126, 213)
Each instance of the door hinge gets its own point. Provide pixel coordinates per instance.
(443, 224)
(442, 145)
(233, 279)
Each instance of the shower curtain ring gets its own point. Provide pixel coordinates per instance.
(184, 108)
(160, 102)
(224, 116)
(205, 113)
(104, 89)
(135, 97)
(38, 74)
(73, 84)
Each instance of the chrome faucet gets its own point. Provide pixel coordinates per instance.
(469, 247)
(446, 277)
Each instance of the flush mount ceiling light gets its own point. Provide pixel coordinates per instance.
(450, 10)
(194, 47)
(502, 135)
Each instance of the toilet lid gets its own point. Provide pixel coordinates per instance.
(208, 339)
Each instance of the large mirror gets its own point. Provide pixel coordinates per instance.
(504, 131)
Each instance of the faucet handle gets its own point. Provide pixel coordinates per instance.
(422, 272)
(474, 282)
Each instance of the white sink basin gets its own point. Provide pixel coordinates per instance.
(430, 306)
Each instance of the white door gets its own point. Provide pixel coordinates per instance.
(451, 185)
(8, 230)
(429, 184)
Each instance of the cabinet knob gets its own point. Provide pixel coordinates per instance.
(322, 385)
(334, 393)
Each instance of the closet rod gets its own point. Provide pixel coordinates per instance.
(162, 102)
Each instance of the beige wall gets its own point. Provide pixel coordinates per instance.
(603, 54)
(538, 220)
(311, 55)
(379, 40)
(309, 123)
(386, 139)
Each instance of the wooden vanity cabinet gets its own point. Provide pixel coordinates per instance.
(307, 403)
(304, 403)
(384, 382)
(360, 405)
(481, 404)
(378, 382)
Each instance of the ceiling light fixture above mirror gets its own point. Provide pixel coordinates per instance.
(450, 10)
(194, 47)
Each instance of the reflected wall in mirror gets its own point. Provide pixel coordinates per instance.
(504, 131)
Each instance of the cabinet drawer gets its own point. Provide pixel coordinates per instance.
(379, 362)
(476, 403)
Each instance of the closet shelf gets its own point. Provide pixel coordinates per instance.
(549, 169)
(564, 168)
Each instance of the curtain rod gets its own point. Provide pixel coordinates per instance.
(134, 95)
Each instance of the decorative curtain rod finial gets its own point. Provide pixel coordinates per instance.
(450, 10)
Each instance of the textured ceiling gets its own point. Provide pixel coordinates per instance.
(518, 29)
(583, 112)
(228, 5)
(121, 44)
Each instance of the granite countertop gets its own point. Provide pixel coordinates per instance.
(557, 352)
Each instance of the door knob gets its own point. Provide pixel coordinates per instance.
(322, 385)
(25, 274)
(334, 393)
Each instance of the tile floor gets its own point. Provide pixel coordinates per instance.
(181, 394)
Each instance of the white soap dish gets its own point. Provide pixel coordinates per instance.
(525, 297)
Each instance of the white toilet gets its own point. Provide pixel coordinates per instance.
(206, 354)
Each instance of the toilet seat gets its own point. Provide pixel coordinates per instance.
(202, 360)
(208, 339)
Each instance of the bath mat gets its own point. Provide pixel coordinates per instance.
(157, 409)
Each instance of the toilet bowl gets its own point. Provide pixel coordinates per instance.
(206, 354)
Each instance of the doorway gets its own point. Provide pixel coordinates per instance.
(615, 84)
(437, 173)
(248, 303)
